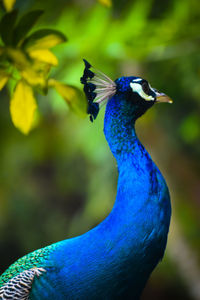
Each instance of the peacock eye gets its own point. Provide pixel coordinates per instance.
(145, 87)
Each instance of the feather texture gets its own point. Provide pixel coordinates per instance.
(98, 87)
(18, 287)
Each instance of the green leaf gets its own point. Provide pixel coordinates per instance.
(7, 25)
(22, 107)
(25, 24)
(44, 39)
(72, 96)
(9, 4)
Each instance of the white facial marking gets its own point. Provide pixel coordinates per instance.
(137, 79)
(136, 87)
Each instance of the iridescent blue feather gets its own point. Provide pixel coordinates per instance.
(115, 259)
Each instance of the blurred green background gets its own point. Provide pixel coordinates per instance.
(60, 181)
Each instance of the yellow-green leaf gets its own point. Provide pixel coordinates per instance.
(33, 77)
(22, 107)
(3, 79)
(107, 3)
(18, 58)
(44, 55)
(44, 39)
(72, 96)
(46, 42)
(9, 4)
(34, 72)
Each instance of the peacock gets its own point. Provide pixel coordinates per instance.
(114, 259)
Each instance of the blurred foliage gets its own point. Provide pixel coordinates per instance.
(107, 3)
(61, 180)
(26, 60)
(8, 4)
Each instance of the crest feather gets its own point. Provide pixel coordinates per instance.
(98, 88)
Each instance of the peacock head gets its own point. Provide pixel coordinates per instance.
(131, 95)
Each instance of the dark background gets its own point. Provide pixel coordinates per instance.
(60, 180)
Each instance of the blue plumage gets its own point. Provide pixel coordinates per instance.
(115, 259)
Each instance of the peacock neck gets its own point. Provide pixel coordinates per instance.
(120, 253)
(119, 129)
(139, 180)
(133, 237)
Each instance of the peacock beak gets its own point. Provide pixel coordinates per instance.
(161, 98)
